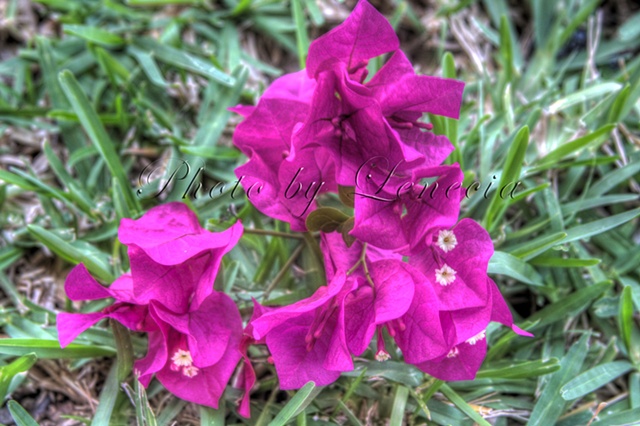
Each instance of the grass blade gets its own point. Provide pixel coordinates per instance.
(593, 379)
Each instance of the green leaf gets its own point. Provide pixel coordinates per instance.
(444, 125)
(350, 416)
(520, 370)
(506, 48)
(97, 133)
(20, 415)
(8, 372)
(211, 416)
(94, 35)
(626, 417)
(124, 361)
(76, 192)
(108, 398)
(625, 317)
(347, 195)
(538, 245)
(325, 219)
(593, 379)
(73, 136)
(216, 120)
(398, 372)
(302, 40)
(91, 259)
(398, 408)
(591, 92)
(50, 349)
(186, 61)
(614, 178)
(138, 397)
(568, 305)
(510, 174)
(562, 262)
(597, 201)
(594, 138)
(578, 18)
(599, 226)
(148, 65)
(505, 264)
(156, 3)
(171, 411)
(548, 406)
(298, 403)
(463, 405)
(618, 107)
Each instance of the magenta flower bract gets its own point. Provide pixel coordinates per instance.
(280, 180)
(194, 354)
(168, 247)
(364, 35)
(403, 207)
(307, 339)
(194, 331)
(316, 130)
(80, 285)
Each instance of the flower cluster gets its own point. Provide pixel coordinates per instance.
(407, 265)
(403, 268)
(195, 332)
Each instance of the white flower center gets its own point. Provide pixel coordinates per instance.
(182, 361)
(190, 371)
(475, 339)
(447, 240)
(182, 358)
(445, 275)
(453, 352)
(382, 355)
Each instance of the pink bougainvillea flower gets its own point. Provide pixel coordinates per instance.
(357, 120)
(338, 258)
(167, 247)
(419, 333)
(80, 285)
(405, 96)
(464, 359)
(194, 354)
(406, 209)
(500, 312)
(364, 35)
(378, 303)
(281, 181)
(306, 339)
(194, 331)
(462, 362)
(389, 294)
(314, 130)
(347, 121)
(455, 262)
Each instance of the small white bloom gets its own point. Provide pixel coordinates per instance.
(445, 275)
(382, 355)
(447, 240)
(182, 358)
(190, 371)
(475, 339)
(453, 352)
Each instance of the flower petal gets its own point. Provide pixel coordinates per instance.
(80, 285)
(364, 35)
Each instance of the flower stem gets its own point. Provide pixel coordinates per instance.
(273, 233)
(283, 271)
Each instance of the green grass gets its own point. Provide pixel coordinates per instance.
(127, 85)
